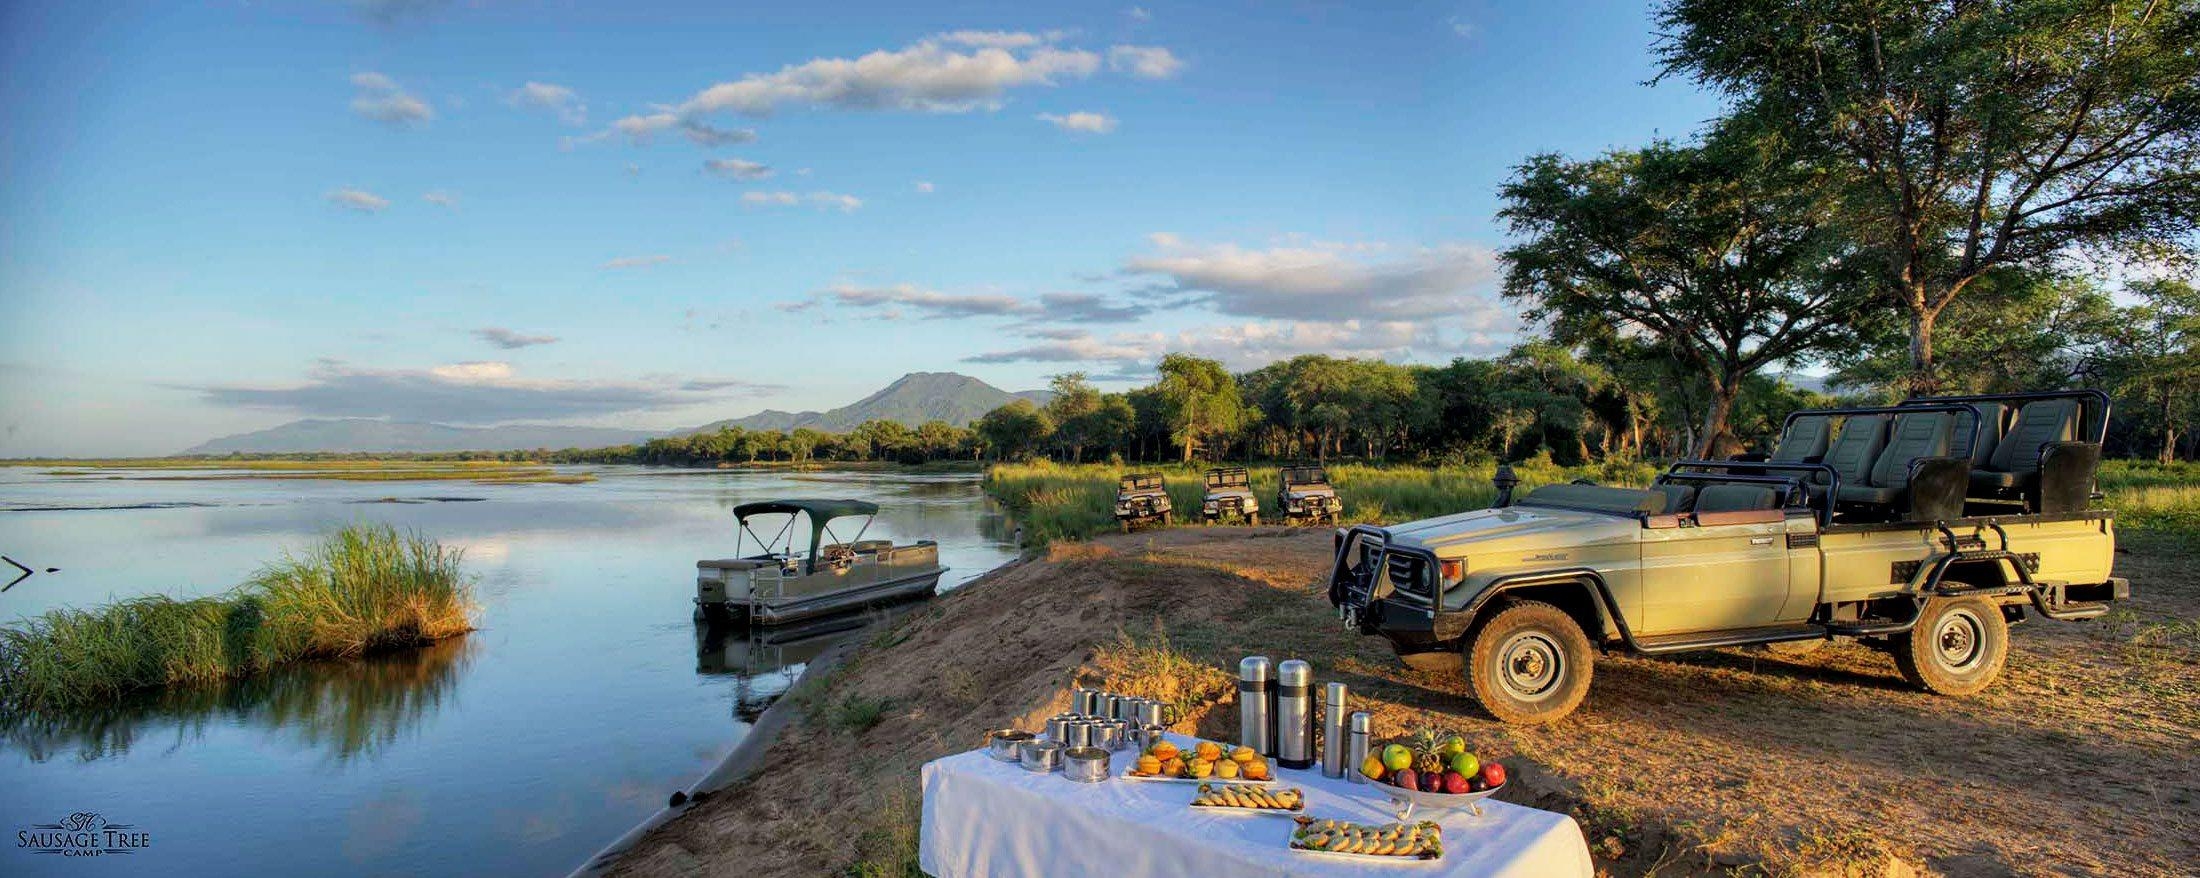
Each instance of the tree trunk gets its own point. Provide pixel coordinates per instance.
(1924, 374)
(1187, 447)
(1715, 416)
(2169, 428)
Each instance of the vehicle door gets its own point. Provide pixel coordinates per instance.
(1728, 570)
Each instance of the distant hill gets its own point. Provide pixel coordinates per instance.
(367, 434)
(912, 399)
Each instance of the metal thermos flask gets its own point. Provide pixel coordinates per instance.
(1333, 730)
(1256, 696)
(1295, 714)
(1356, 754)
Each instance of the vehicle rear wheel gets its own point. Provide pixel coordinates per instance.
(1529, 663)
(1957, 647)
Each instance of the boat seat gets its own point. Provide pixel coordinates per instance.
(2015, 464)
(1915, 436)
(1805, 440)
(1678, 498)
(873, 546)
(1735, 498)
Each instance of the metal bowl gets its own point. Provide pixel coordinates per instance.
(1042, 756)
(1002, 744)
(1441, 803)
(1085, 764)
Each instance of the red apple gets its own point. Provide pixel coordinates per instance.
(1493, 774)
(1455, 783)
(1405, 778)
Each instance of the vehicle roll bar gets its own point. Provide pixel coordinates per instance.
(2097, 398)
(1833, 477)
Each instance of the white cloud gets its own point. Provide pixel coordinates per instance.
(1144, 62)
(477, 392)
(1241, 346)
(637, 261)
(511, 340)
(926, 77)
(1078, 347)
(1081, 122)
(1000, 39)
(380, 98)
(1321, 280)
(1088, 308)
(390, 12)
(641, 129)
(1138, 13)
(888, 300)
(926, 187)
(738, 169)
(441, 198)
(359, 200)
(821, 200)
(1460, 26)
(555, 99)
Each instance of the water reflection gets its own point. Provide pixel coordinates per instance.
(766, 662)
(348, 710)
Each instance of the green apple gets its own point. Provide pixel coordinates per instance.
(1453, 746)
(1397, 758)
(1465, 764)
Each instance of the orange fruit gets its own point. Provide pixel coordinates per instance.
(1209, 750)
(1243, 754)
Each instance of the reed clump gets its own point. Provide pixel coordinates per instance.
(362, 589)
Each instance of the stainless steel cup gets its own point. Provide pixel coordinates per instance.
(1085, 764)
(1058, 726)
(1080, 700)
(1002, 744)
(1078, 735)
(1042, 756)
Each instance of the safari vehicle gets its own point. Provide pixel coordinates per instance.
(783, 583)
(1229, 495)
(1924, 529)
(1304, 495)
(1141, 498)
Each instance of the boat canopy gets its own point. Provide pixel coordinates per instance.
(821, 513)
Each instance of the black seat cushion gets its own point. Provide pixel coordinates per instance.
(1735, 498)
(1987, 480)
(1870, 494)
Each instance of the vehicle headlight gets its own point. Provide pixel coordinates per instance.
(1212, 505)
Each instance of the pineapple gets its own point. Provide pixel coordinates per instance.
(1426, 745)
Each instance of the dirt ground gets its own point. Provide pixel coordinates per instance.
(2082, 760)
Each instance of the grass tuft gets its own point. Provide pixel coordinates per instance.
(364, 588)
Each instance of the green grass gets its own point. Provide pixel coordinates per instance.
(1057, 501)
(2157, 501)
(362, 589)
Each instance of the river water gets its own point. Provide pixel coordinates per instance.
(585, 699)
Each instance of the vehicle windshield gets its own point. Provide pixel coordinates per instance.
(1141, 483)
(1305, 475)
(1228, 478)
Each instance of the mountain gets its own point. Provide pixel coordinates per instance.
(912, 399)
(367, 434)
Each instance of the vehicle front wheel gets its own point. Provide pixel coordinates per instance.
(1253, 519)
(1957, 647)
(1529, 663)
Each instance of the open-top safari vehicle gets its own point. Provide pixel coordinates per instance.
(1141, 498)
(1924, 529)
(1229, 495)
(1303, 494)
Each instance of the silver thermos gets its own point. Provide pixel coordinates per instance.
(1295, 714)
(1356, 754)
(1333, 730)
(1256, 696)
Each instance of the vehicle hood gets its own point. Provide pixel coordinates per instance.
(1121, 496)
(1303, 493)
(1495, 533)
(1218, 493)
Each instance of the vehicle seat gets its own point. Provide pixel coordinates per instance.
(1735, 498)
(1677, 497)
(2016, 461)
(1855, 450)
(1915, 436)
(1993, 416)
(1805, 440)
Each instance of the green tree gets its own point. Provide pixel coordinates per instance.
(1014, 431)
(1720, 252)
(1075, 401)
(1200, 400)
(2017, 330)
(1967, 136)
(2154, 359)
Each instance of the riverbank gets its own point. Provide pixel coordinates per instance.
(2078, 760)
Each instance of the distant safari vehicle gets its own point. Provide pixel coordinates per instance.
(1923, 529)
(1303, 495)
(782, 584)
(1141, 498)
(1229, 495)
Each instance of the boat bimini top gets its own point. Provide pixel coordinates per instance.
(821, 515)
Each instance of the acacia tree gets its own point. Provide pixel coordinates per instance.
(2154, 357)
(1968, 135)
(1075, 400)
(1199, 400)
(1721, 253)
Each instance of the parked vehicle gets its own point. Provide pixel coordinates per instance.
(1229, 495)
(1141, 498)
(1923, 529)
(783, 583)
(1304, 496)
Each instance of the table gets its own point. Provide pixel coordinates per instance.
(984, 817)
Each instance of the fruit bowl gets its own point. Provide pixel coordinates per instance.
(1441, 803)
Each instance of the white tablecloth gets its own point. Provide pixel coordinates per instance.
(984, 817)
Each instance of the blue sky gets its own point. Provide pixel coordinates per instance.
(217, 217)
